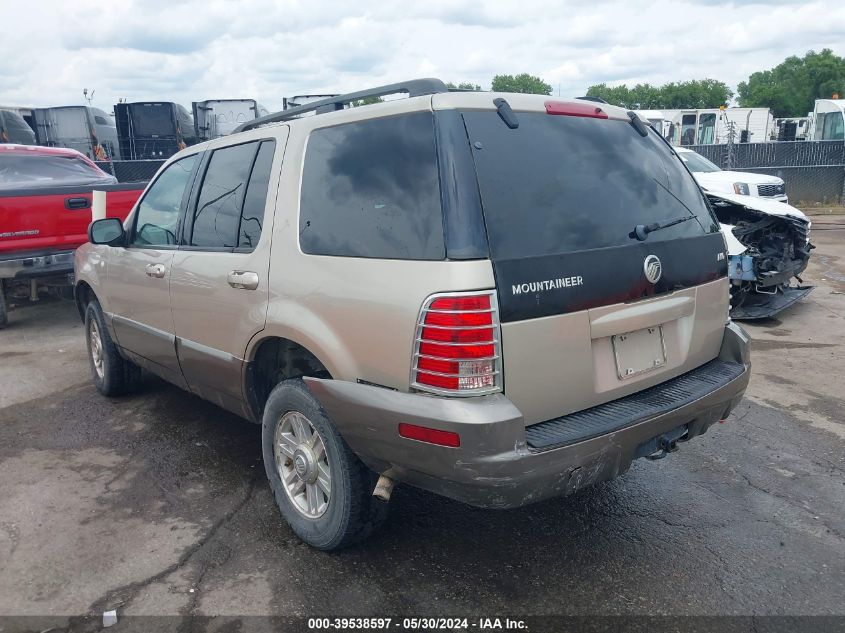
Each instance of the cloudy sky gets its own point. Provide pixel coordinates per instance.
(190, 50)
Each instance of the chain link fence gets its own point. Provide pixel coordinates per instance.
(131, 170)
(813, 171)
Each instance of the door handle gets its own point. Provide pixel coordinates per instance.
(155, 270)
(72, 204)
(243, 279)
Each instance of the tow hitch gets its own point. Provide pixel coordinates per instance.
(660, 446)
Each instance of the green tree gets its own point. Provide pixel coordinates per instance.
(791, 87)
(464, 85)
(524, 83)
(365, 101)
(696, 93)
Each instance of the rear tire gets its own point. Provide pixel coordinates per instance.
(112, 374)
(326, 496)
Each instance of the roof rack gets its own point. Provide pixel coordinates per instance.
(414, 88)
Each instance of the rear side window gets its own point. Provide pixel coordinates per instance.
(561, 184)
(371, 189)
(230, 206)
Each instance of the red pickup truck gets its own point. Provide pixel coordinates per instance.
(45, 209)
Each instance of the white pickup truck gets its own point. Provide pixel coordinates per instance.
(716, 180)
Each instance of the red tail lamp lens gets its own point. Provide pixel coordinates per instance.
(474, 302)
(457, 344)
(430, 436)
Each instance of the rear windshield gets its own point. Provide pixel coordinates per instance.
(18, 172)
(153, 119)
(559, 184)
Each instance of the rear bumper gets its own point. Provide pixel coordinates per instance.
(495, 465)
(757, 305)
(36, 265)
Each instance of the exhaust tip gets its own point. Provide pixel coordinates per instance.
(384, 488)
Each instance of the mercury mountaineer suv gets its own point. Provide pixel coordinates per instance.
(499, 298)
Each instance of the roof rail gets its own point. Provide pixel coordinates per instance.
(414, 88)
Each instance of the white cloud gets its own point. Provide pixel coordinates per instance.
(189, 50)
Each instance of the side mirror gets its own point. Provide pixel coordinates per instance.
(108, 231)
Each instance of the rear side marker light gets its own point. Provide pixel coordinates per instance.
(589, 110)
(457, 349)
(430, 436)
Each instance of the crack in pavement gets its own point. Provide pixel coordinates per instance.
(789, 502)
(120, 597)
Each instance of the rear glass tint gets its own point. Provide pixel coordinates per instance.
(35, 171)
(559, 184)
(371, 189)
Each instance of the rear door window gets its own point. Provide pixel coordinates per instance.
(561, 184)
(229, 212)
(252, 216)
(218, 211)
(371, 189)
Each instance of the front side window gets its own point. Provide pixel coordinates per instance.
(688, 129)
(372, 189)
(707, 129)
(158, 212)
(833, 126)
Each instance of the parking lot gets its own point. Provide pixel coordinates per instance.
(158, 503)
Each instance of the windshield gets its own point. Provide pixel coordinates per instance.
(18, 171)
(152, 119)
(560, 184)
(697, 162)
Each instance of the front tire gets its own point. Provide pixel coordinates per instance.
(322, 489)
(111, 373)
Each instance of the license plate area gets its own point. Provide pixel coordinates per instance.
(639, 352)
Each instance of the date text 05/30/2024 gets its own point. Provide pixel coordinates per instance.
(414, 624)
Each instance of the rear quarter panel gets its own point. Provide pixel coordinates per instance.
(358, 316)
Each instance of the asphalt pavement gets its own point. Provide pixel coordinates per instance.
(158, 503)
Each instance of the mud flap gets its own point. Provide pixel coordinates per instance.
(760, 306)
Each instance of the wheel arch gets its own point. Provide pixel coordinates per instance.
(83, 293)
(273, 358)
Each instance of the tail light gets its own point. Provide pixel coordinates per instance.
(457, 349)
(565, 108)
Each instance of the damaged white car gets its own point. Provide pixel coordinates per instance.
(768, 245)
